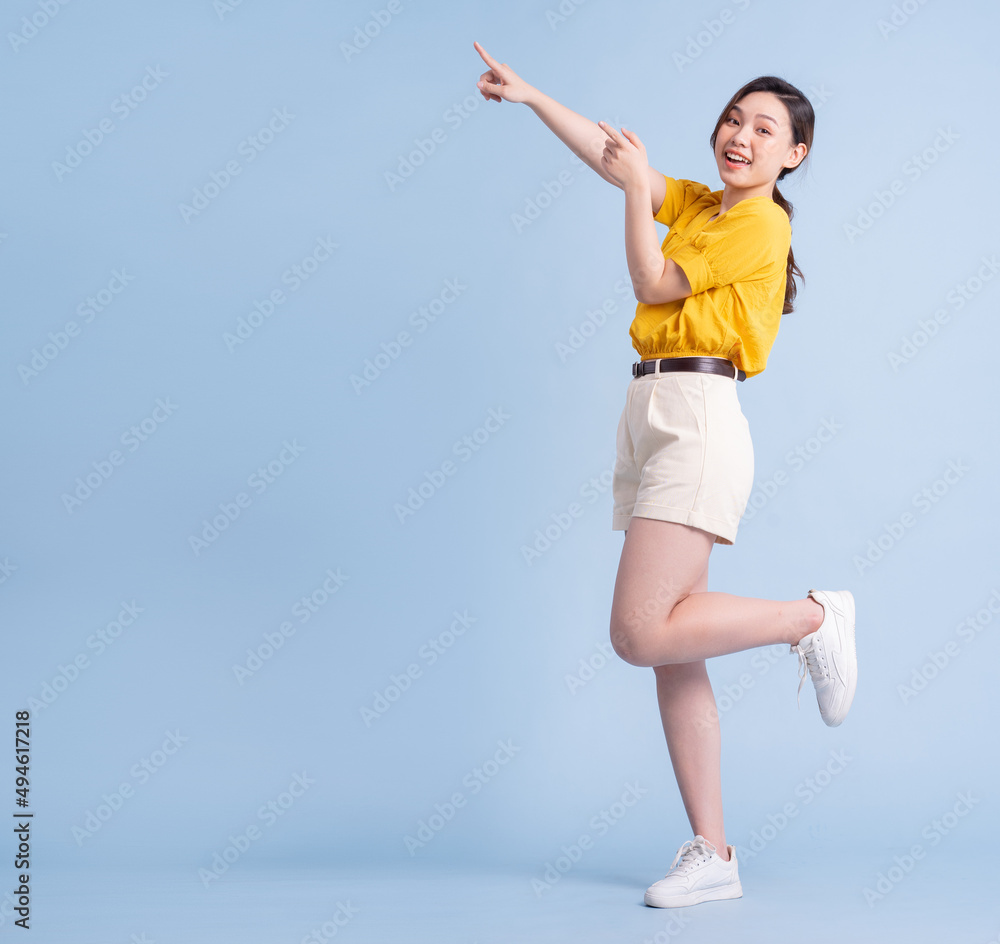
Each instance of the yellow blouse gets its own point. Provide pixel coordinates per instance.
(736, 265)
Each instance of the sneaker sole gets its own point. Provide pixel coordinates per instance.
(721, 893)
(851, 654)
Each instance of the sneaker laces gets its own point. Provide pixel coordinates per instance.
(691, 853)
(810, 656)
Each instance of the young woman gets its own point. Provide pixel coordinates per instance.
(710, 299)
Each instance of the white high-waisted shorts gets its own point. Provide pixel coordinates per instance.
(684, 453)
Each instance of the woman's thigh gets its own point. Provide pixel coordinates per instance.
(661, 563)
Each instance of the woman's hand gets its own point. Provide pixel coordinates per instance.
(501, 83)
(624, 157)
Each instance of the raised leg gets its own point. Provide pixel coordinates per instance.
(658, 618)
(664, 616)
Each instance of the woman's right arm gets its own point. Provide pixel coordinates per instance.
(581, 135)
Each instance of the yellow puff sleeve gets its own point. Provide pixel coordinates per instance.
(680, 194)
(749, 242)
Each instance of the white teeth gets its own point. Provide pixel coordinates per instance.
(736, 157)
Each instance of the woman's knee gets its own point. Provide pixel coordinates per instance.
(627, 644)
(640, 628)
(640, 643)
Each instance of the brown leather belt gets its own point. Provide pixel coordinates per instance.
(704, 365)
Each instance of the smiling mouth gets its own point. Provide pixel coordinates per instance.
(737, 163)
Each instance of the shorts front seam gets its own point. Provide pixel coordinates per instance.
(704, 443)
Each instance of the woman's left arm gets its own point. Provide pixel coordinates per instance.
(655, 280)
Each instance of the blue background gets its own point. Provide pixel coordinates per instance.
(440, 202)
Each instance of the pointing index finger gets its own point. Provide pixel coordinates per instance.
(487, 58)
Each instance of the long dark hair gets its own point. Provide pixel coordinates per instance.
(803, 117)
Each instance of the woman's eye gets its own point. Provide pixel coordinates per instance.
(765, 129)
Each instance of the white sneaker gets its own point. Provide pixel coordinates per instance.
(830, 655)
(697, 874)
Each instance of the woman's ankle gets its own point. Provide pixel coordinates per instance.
(810, 620)
(719, 842)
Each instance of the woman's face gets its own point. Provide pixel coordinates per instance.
(757, 128)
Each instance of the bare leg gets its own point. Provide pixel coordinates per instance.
(663, 615)
(657, 618)
(691, 725)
